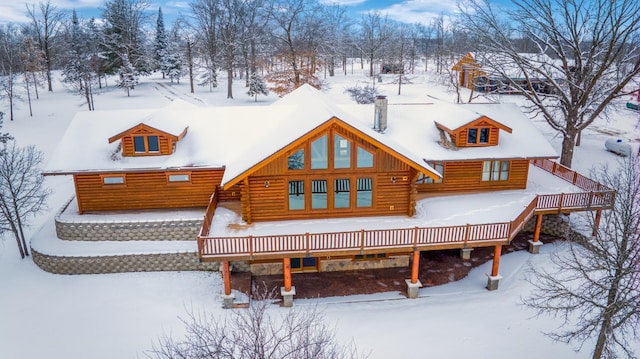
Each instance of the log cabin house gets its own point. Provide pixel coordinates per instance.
(305, 159)
(472, 75)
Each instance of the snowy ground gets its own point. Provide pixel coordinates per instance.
(120, 315)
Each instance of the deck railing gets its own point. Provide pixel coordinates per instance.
(570, 175)
(597, 197)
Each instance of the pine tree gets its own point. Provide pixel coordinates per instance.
(79, 70)
(161, 44)
(209, 78)
(128, 75)
(257, 86)
(4, 137)
(123, 34)
(173, 61)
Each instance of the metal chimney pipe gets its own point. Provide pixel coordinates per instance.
(380, 114)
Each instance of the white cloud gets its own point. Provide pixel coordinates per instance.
(342, 2)
(14, 12)
(419, 11)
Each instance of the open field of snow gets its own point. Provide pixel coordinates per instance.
(120, 315)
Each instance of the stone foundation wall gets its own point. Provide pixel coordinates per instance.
(127, 263)
(334, 265)
(552, 224)
(557, 225)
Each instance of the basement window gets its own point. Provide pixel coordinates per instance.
(113, 180)
(179, 177)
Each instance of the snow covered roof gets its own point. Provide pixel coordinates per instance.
(239, 137)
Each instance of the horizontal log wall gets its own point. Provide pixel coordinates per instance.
(466, 176)
(146, 190)
(267, 195)
(461, 136)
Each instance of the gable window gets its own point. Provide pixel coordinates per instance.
(495, 170)
(143, 144)
(320, 153)
(478, 135)
(296, 195)
(365, 158)
(112, 180)
(296, 160)
(438, 166)
(341, 152)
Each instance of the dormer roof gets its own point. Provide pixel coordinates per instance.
(453, 124)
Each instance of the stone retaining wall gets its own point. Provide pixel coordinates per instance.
(127, 263)
(169, 230)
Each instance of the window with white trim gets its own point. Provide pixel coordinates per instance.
(495, 170)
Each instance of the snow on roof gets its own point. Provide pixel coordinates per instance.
(240, 137)
(455, 116)
(505, 64)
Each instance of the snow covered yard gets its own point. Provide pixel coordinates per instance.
(120, 315)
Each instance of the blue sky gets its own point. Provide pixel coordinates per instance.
(420, 11)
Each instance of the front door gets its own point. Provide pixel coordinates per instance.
(304, 264)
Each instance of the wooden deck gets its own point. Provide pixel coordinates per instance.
(595, 196)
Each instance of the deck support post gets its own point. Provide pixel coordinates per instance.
(227, 296)
(414, 284)
(494, 278)
(596, 223)
(534, 245)
(465, 253)
(288, 291)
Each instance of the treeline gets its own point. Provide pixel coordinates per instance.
(287, 42)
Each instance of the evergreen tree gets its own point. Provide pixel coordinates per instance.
(77, 71)
(173, 60)
(209, 78)
(4, 137)
(257, 86)
(128, 75)
(123, 34)
(161, 44)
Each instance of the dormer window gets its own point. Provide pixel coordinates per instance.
(144, 140)
(478, 135)
(144, 144)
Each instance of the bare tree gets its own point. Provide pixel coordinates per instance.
(22, 193)
(375, 32)
(10, 64)
(255, 333)
(205, 15)
(595, 285)
(587, 52)
(293, 21)
(230, 34)
(45, 26)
